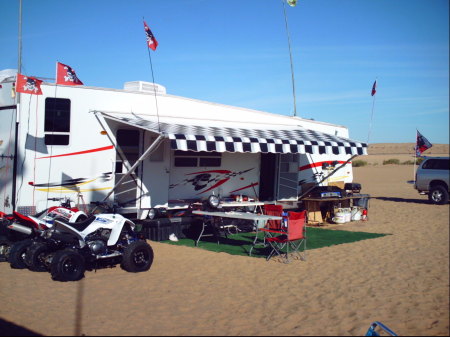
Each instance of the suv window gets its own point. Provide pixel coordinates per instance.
(436, 164)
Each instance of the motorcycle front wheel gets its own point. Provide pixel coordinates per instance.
(137, 257)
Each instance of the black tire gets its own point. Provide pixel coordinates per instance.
(17, 253)
(67, 265)
(34, 257)
(438, 195)
(137, 257)
(5, 246)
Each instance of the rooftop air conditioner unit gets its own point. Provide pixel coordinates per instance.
(142, 86)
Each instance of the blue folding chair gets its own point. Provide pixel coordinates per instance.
(373, 329)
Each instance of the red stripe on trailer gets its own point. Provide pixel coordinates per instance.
(81, 152)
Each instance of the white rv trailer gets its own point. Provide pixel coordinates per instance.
(143, 148)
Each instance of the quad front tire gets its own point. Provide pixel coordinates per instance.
(67, 265)
(137, 257)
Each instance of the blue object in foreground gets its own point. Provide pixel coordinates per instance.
(374, 325)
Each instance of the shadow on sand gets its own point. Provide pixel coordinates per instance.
(414, 201)
(11, 329)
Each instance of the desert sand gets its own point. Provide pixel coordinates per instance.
(401, 280)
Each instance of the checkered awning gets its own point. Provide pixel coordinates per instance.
(226, 139)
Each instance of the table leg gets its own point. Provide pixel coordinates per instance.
(255, 241)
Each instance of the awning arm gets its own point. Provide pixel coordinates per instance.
(147, 152)
(323, 179)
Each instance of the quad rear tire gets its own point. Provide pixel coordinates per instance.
(137, 257)
(17, 253)
(34, 257)
(67, 265)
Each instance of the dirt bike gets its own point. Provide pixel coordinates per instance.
(17, 231)
(67, 250)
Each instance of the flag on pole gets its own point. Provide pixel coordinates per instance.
(151, 40)
(66, 75)
(422, 144)
(374, 88)
(292, 3)
(28, 85)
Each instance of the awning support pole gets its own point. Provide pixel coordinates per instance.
(323, 179)
(136, 164)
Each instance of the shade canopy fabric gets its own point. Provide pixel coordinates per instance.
(242, 138)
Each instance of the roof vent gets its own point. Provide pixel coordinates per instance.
(144, 87)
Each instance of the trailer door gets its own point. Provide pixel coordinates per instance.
(288, 176)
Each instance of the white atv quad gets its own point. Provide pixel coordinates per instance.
(68, 249)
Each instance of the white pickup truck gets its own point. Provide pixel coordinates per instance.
(432, 178)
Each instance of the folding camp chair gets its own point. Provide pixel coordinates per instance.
(377, 327)
(290, 240)
(276, 210)
(271, 227)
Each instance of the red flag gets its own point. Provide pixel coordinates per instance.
(28, 85)
(66, 75)
(151, 40)
(374, 88)
(422, 144)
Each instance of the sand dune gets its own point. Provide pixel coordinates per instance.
(401, 279)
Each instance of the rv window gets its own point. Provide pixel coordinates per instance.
(195, 159)
(57, 115)
(185, 162)
(56, 139)
(57, 119)
(210, 161)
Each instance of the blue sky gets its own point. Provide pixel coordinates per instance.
(236, 52)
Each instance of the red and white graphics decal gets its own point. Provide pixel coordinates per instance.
(205, 181)
(318, 171)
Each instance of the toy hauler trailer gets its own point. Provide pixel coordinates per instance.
(142, 148)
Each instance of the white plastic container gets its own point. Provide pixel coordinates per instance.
(342, 215)
(356, 213)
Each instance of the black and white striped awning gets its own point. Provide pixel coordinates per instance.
(226, 139)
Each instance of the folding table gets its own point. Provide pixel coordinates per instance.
(259, 221)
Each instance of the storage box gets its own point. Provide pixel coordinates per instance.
(160, 229)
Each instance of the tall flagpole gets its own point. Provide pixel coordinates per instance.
(18, 94)
(415, 158)
(153, 81)
(290, 56)
(373, 108)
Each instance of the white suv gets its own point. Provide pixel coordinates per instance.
(432, 178)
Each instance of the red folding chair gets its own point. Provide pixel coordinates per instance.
(273, 225)
(292, 240)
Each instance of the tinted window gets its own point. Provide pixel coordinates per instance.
(194, 159)
(437, 164)
(57, 115)
(56, 139)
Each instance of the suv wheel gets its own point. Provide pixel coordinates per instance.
(438, 195)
